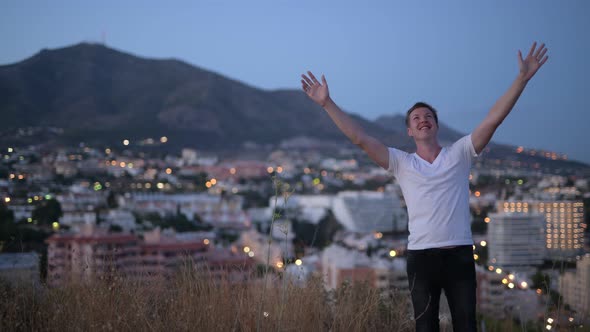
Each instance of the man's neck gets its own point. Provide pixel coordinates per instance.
(428, 150)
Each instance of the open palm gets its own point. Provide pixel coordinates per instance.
(533, 61)
(316, 91)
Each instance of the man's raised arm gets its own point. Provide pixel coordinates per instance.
(319, 93)
(482, 135)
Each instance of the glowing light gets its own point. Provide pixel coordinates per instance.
(491, 268)
(206, 241)
(168, 170)
(148, 185)
(232, 171)
(483, 243)
(279, 265)
(122, 164)
(504, 281)
(306, 170)
(107, 151)
(316, 181)
(234, 190)
(29, 219)
(392, 253)
(524, 284)
(511, 276)
(510, 285)
(270, 169)
(279, 169)
(251, 254)
(208, 184)
(548, 327)
(12, 176)
(163, 139)
(571, 319)
(213, 182)
(539, 291)
(10, 150)
(550, 320)
(160, 185)
(20, 176)
(475, 256)
(498, 270)
(7, 199)
(246, 249)
(298, 262)
(55, 225)
(487, 220)
(378, 235)
(29, 200)
(47, 196)
(477, 194)
(126, 142)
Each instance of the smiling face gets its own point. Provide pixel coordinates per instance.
(422, 123)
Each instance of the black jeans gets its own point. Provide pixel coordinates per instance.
(451, 270)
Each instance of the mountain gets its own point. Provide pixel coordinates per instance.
(96, 94)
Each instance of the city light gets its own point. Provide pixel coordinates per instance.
(298, 262)
(251, 254)
(505, 281)
(163, 139)
(392, 253)
(279, 169)
(378, 235)
(168, 170)
(539, 291)
(550, 320)
(232, 171)
(246, 249)
(498, 270)
(126, 142)
(511, 276)
(270, 169)
(10, 150)
(483, 243)
(7, 199)
(55, 225)
(510, 285)
(475, 256)
(487, 220)
(524, 284)
(279, 265)
(548, 327)
(213, 181)
(107, 151)
(206, 241)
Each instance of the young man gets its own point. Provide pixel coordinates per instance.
(435, 185)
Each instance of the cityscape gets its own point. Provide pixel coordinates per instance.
(73, 214)
(177, 167)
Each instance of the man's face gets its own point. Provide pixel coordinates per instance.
(422, 124)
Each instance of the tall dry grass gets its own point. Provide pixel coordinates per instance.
(193, 301)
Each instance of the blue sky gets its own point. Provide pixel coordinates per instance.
(379, 56)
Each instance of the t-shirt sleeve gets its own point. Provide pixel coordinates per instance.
(395, 157)
(467, 148)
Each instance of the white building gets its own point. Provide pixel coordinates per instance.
(564, 224)
(516, 239)
(575, 287)
(369, 211)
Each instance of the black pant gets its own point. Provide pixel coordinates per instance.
(453, 270)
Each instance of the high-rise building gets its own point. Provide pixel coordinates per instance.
(574, 286)
(564, 224)
(516, 239)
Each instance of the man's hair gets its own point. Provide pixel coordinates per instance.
(418, 105)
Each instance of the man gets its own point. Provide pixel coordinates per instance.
(435, 185)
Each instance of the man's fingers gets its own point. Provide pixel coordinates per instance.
(315, 80)
(532, 49)
(520, 59)
(539, 50)
(307, 80)
(542, 54)
(544, 60)
(324, 82)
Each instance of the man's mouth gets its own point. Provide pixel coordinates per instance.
(423, 127)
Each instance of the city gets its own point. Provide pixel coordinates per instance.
(75, 214)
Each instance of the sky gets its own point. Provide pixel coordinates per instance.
(379, 57)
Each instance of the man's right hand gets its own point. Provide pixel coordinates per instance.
(316, 91)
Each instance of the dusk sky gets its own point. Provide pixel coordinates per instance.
(379, 57)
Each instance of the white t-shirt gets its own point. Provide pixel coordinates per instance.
(437, 194)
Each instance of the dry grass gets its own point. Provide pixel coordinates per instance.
(191, 301)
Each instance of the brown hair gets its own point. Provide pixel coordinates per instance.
(419, 105)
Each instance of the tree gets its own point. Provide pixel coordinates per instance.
(47, 212)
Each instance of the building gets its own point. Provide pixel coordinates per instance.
(516, 239)
(95, 253)
(574, 286)
(20, 268)
(564, 224)
(368, 211)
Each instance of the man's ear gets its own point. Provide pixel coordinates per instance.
(409, 131)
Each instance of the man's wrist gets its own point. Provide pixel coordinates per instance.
(327, 103)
